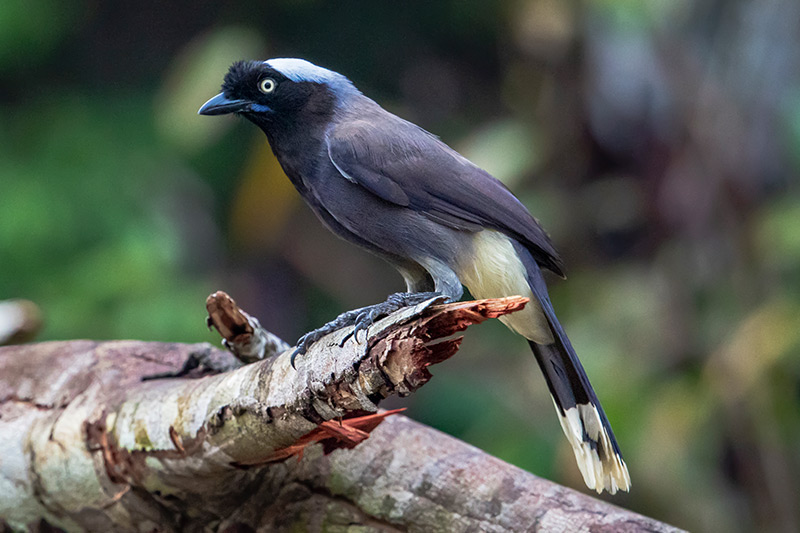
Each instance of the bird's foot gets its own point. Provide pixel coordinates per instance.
(361, 318)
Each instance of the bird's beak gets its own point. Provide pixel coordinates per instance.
(222, 105)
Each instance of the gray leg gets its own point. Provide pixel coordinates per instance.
(427, 273)
(361, 318)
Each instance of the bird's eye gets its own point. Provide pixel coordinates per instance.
(267, 85)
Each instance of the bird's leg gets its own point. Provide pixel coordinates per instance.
(361, 319)
(394, 302)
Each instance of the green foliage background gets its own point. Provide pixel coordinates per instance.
(658, 142)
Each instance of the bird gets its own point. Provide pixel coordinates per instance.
(398, 191)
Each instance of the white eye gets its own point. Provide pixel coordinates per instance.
(267, 85)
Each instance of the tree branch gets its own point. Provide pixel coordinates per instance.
(242, 334)
(415, 478)
(90, 443)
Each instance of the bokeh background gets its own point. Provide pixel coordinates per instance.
(657, 141)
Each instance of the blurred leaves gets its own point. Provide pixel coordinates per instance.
(545, 29)
(30, 30)
(778, 235)
(194, 77)
(82, 226)
(740, 368)
(263, 202)
(506, 149)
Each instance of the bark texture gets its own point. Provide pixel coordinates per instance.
(91, 442)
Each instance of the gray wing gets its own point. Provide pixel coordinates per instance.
(407, 166)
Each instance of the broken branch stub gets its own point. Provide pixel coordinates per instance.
(242, 334)
(79, 427)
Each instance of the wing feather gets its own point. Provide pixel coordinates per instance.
(407, 166)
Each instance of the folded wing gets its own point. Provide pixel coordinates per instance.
(405, 165)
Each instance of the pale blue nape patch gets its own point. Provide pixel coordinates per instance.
(299, 70)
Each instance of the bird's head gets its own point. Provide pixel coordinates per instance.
(279, 91)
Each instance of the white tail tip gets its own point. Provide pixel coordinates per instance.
(600, 464)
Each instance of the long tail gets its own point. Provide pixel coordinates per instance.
(581, 416)
(501, 266)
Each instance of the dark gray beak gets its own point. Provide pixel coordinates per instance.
(222, 105)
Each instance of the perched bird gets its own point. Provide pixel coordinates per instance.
(394, 189)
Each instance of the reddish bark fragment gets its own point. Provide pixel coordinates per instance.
(332, 434)
(404, 354)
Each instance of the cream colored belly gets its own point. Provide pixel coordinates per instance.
(495, 270)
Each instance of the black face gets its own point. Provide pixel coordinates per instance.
(265, 96)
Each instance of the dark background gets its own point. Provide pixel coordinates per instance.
(657, 141)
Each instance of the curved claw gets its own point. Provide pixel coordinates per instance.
(299, 350)
(345, 338)
(302, 345)
(292, 357)
(363, 322)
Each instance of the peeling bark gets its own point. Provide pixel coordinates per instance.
(90, 443)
